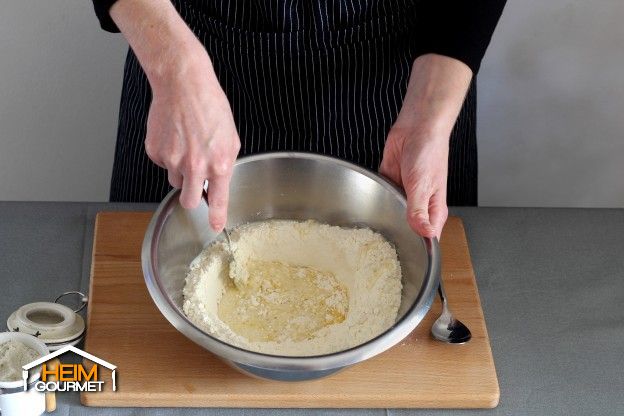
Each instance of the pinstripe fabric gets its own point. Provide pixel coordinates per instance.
(320, 76)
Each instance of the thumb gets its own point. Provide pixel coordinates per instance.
(418, 213)
(390, 166)
(391, 169)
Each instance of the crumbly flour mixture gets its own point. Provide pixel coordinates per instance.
(14, 355)
(295, 288)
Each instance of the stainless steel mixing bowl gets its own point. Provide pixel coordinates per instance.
(297, 186)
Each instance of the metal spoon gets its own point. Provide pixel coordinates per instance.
(234, 272)
(446, 328)
(229, 242)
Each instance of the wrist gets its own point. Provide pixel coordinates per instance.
(179, 64)
(430, 129)
(430, 134)
(437, 126)
(174, 55)
(434, 97)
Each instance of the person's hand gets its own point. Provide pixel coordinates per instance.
(190, 128)
(416, 151)
(191, 133)
(418, 161)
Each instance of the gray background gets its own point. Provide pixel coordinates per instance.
(550, 104)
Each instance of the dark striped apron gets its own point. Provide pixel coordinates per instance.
(320, 76)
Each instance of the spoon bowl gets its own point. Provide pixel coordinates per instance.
(446, 328)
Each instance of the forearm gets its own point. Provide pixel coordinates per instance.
(435, 94)
(163, 43)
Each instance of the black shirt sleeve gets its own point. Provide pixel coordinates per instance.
(461, 29)
(101, 10)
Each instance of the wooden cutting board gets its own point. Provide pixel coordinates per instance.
(157, 366)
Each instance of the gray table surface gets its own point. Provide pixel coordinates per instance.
(551, 283)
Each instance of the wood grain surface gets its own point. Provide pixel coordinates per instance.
(159, 367)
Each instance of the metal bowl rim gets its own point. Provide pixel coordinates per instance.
(361, 352)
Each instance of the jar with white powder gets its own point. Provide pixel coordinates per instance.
(16, 350)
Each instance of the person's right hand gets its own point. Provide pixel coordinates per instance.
(190, 127)
(191, 133)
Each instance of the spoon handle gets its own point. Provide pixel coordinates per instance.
(442, 294)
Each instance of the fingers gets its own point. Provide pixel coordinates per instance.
(175, 178)
(192, 186)
(218, 198)
(191, 132)
(152, 151)
(390, 170)
(438, 212)
(220, 173)
(390, 166)
(418, 212)
(426, 213)
(190, 177)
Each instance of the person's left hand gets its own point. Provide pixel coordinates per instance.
(418, 161)
(416, 152)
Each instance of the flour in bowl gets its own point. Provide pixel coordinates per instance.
(295, 288)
